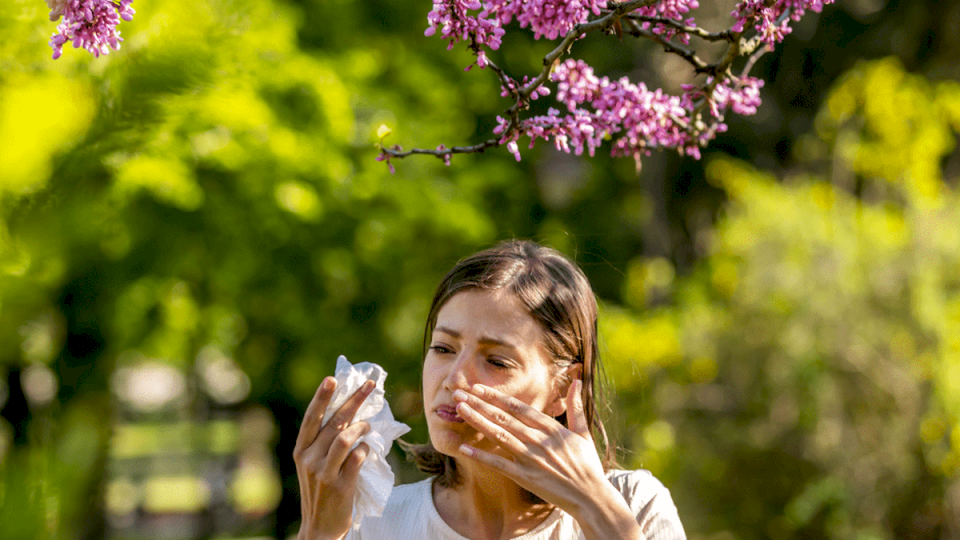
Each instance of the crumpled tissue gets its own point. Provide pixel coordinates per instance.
(376, 476)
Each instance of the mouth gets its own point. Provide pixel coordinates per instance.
(448, 413)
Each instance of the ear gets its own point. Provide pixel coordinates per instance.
(558, 405)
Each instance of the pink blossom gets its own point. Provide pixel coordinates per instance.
(444, 154)
(675, 10)
(597, 108)
(772, 21)
(547, 18)
(481, 23)
(453, 19)
(386, 157)
(91, 24)
(742, 94)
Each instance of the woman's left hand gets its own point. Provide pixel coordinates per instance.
(559, 464)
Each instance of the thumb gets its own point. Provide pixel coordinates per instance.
(576, 419)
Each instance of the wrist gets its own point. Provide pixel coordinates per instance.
(307, 535)
(603, 513)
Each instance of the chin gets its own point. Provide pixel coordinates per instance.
(446, 447)
(447, 441)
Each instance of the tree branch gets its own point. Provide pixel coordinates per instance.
(726, 35)
(698, 127)
(698, 65)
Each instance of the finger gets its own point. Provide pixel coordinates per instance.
(310, 426)
(340, 448)
(499, 463)
(576, 418)
(498, 416)
(493, 432)
(518, 409)
(351, 467)
(343, 417)
(346, 412)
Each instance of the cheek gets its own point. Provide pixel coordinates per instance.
(428, 377)
(534, 390)
(432, 376)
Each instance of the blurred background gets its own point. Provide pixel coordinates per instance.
(194, 227)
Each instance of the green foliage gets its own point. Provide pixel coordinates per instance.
(813, 392)
(210, 185)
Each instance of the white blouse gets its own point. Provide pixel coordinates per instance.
(410, 514)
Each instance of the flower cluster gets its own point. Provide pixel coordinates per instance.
(773, 21)
(91, 24)
(674, 10)
(512, 88)
(636, 119)
(742, 94)
(547, 18)
(639, 119)
(456, 24)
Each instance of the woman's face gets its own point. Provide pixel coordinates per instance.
(484, 337)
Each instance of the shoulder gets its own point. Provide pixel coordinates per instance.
(650, 501)
(639, 484)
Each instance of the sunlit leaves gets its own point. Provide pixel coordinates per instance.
(167, 180)
(299, 199)
(38, 117)
(891, 125)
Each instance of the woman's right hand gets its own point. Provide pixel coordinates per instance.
(326, 467)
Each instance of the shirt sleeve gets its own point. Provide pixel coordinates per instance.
(650, 501)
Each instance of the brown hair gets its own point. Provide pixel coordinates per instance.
(558, 296)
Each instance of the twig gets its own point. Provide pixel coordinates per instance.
(726, 35)
(753, 60)
(698, 65)
(472, 149)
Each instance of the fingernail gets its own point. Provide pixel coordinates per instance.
(368, 386)
(327, 384)
(460, 395)
(466, 450)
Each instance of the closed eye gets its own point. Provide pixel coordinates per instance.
(497, 362)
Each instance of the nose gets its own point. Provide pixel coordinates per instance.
(460, 374)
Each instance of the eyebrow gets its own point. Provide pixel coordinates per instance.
(486, 340)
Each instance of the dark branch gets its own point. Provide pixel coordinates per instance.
(489, 143)
(726, 35)
(698, 65)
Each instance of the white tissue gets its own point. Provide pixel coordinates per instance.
(376, 476)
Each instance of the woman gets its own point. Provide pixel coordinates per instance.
(509, 378)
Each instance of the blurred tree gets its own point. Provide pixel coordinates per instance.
(804, 376)
(208, 186)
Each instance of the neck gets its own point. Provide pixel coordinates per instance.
(487, 505)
